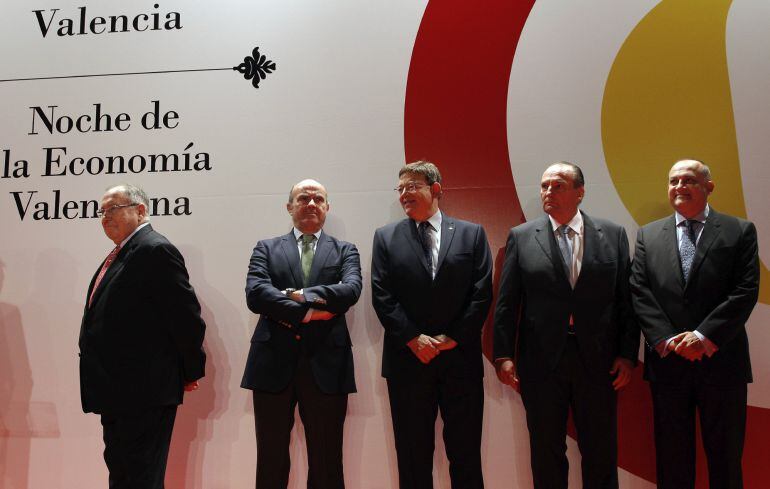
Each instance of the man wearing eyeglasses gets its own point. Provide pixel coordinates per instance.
(301, 284)
(431, 289)
(140, 342)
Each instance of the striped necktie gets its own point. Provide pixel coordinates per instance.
(103, 271)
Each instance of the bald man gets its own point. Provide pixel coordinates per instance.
(694, 283)
(301, 284)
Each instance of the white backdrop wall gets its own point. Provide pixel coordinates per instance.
(332, 110)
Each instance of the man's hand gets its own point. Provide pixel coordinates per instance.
(295, 295)
(621, 369)
(424, 347)
(319, 315)
(445, 342)
(506, 372)
(191, 386)
(688, 346)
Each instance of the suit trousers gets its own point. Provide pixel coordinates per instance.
(444, 384)
(136, 447)
(722, 411)
(323, 417)
(594, 409)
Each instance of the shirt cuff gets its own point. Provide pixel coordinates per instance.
(708, 345)
(308, 314)
(662, 347)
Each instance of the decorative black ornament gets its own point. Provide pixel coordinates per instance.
(255, 67)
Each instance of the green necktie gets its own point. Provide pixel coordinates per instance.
(307, 256)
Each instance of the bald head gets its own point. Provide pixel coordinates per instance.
(308, 205)
(689, 185)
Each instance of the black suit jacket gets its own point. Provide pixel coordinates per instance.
(140, 340)
(409, 302)
(716, 300)
(335, 285)
(535, 300)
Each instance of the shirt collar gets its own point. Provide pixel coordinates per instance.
(576, 223)
(701, 218)
(434, 220)
(123, 243)
(298, 234)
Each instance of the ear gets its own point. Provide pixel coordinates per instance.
(581, 194)
(710, 186)
(288, 207)
(435, 189)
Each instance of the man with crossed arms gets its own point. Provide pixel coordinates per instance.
(301, 284)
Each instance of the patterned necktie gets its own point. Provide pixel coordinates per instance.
(565, 246)
(103, 271)
(308, 252)
(687, 248)
(423, 231)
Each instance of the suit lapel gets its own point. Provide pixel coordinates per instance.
(289, 246)
(120, 262)
(322, 250)
(447, 233)
(410, 231)
(671, 243)
(545, 238)
(711, 230)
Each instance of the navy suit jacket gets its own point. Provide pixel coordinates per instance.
(334, 286)
(536, 300)
(140, 341)
(409, 302)
(716, 300)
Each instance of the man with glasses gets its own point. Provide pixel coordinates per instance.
(431, 289)
(301, 284)
(140, 342)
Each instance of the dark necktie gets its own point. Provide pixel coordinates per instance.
(105, 266)
(565, 246)
(423, 232)
(687, 248)
(307, 257)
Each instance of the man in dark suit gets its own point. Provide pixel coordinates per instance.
(431, 289)
(564, 314)
(695, 280)
(140, 342)
(301, 284)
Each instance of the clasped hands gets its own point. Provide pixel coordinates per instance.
(316, 314)
(426, 348)
(687, 345)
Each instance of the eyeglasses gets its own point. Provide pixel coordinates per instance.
(410, 187)
(110, 211)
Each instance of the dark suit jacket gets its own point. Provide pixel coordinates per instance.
(140, 340)
(335, 285)
(409, 302)
(535, 300)
(716, 300)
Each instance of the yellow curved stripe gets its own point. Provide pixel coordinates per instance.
(668, 97)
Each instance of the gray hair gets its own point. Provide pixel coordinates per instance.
(701, 168)
(134, 193)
